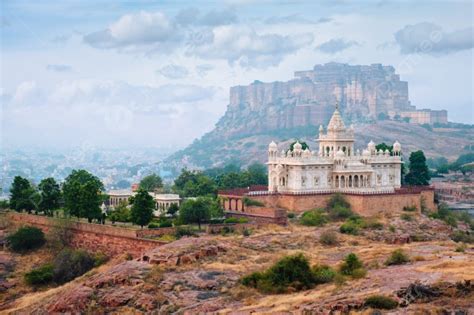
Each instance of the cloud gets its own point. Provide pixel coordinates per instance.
(108, 93)
(428, 38)
(336, 45)
(59, 68)
(210, 36)
(243, 45)
(173, 72)
(296, 19)
(135, 30)
(107, 112)
(216, 18)
(187, 16)
(203, 69)
(192, 16)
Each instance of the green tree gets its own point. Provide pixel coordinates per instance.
(383, 146)
(142, 207)
(50, 195)
(419, 174)
(151, 182)
(83, 195)
(256, 174)
(22, 195)
(195, 211)
(173, 209)
(304, 145)
(121, 213)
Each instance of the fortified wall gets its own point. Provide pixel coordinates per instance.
(363, 204)
(109, 240)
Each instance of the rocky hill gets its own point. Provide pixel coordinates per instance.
(283, 111)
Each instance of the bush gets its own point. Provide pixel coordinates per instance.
(338, 199)
(313, 218)
(381, 302)
(340, 212)
(153, 225)
(40, 276)
(246, 232)
(398, 257)
(99, 259)
(291, 215)
(165, 223)
(406, 217)
(349, 228)
(372, 224)
(70, 264)
(409, 208)
(328, 238)
(323, 274)
(464, 237)
(359, 273)
(461, 248)
(236, 220)
(183, 231)
(251, 202)
(350, 264)
(231, 220)
(289, 272)
(451, 221)
(26, 238)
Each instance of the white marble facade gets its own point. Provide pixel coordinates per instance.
(336, 166)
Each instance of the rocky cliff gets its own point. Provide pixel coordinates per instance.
(261, 112)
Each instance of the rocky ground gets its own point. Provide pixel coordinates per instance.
(201, 275)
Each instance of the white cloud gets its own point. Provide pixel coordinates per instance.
(173, 72)
(244, 45)
(59, 68)
(336, 45)
(429, 38)
(107, 110)
(210, 36)
(134, 30)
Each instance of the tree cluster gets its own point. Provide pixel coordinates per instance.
(197, 183)
(81, 195)
(25, 196)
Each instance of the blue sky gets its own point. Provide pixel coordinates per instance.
(147, 73)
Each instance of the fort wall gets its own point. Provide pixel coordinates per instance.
(109, 240)
(363, 204)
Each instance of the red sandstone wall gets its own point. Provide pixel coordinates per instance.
(368, 205)
(93, 237)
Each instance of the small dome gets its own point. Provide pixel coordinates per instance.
(380, 151)
(321, 129)
(340, 153)
(272, 145)
(371, 145)
(297, 146)
(397, 147)
(366, 153)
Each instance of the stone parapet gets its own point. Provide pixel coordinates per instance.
(109, 240)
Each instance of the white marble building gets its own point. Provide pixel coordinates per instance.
(336, 166)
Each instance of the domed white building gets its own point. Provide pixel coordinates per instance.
(336, 166)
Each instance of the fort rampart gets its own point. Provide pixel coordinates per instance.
(109, 240)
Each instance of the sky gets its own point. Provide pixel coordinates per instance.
(128, 74)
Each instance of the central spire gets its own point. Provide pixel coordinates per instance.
(336, 122)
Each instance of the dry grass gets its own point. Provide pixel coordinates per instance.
(267, 245)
